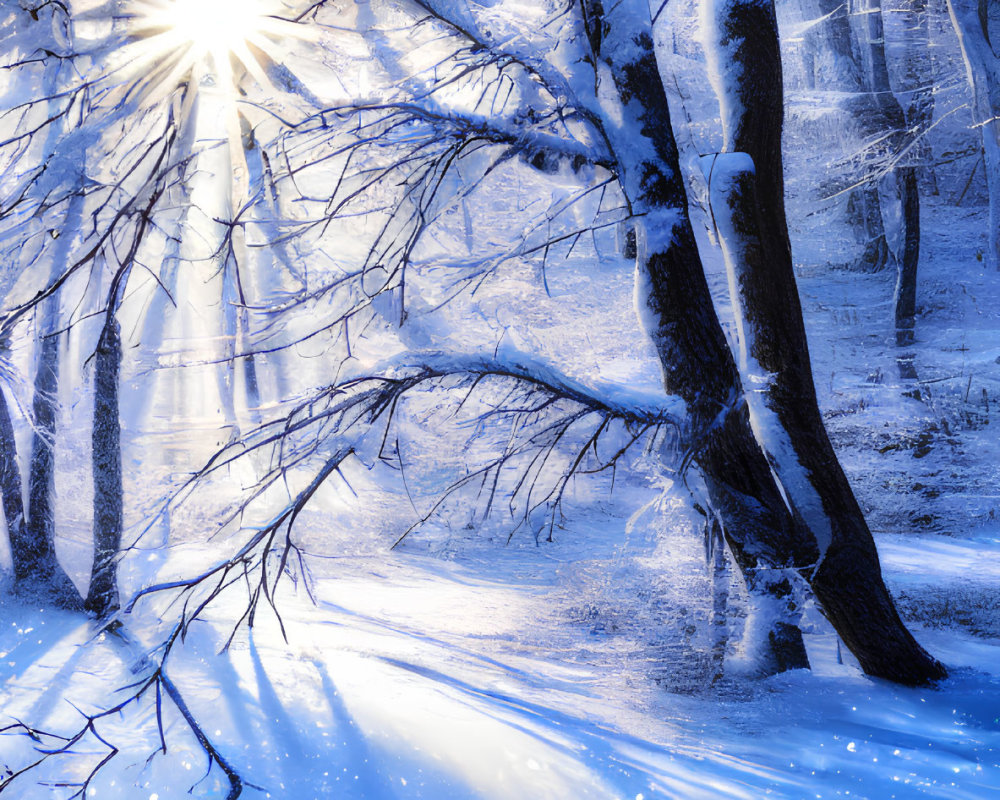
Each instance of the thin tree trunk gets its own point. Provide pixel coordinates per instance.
(904, 173)
(13, 502)
(747, 202)
(41, 519)
(715, 545)
(982, 63)
(106, 452)
(847, 74)
(905, 298)
(877, 255)
(919, 75)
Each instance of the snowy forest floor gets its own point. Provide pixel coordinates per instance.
(460, 666)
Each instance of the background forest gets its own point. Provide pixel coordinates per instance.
(480, 398)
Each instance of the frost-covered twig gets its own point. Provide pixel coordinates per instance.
(155, 683)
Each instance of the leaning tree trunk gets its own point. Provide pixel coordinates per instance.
(676, 309)
(982, 63)
(747, 203)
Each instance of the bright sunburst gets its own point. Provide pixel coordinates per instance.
(210, 47)
(216, 28)
(214, 40)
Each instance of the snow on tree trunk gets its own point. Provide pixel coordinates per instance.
(270, 265)
(971, 19)
(46, 578)
(715, 544)
(38, 573)
(847, 578)
(747, 202)
(13, 501)
(41, 519)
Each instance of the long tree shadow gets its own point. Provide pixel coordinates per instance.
(354, 748)
(30, 637)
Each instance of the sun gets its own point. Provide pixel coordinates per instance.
(204, 56)
(214, 28)
(204, 42)
(207, 33)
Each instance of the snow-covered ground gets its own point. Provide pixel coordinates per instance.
(486, 671)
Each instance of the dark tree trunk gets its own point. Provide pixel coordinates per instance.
(679, 316)
(102, 596)
(846, 579)
(905, 300)
(37, 571)
(748, 205)
(770, 545)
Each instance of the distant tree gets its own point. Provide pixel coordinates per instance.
(918, 73)
(849, 54)
(977, 23)
(898, 165)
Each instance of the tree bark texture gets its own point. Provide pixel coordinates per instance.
(846, 578)
(13, 502)
(41, 521)
(37, 571)
(102, 596)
